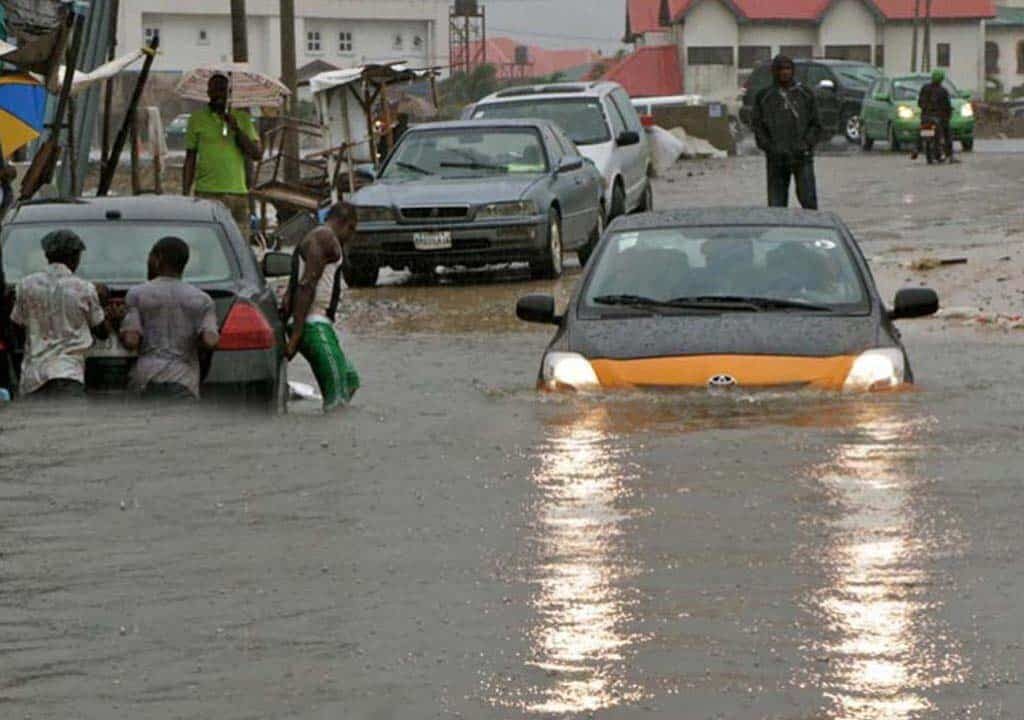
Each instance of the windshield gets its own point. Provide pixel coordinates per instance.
(859, 75)
(909, 89)
(582, 119)
(468, 153)
(116, 252)
(796, 265)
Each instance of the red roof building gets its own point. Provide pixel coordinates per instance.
(651, 71)
(501, 52)
(814, 10)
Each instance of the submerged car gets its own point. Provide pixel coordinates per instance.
(475, 193)
(890, 112)
(118, 233)
(727, 298)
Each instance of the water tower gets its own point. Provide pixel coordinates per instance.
(467, 36)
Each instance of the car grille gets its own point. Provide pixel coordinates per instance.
(457, 245)
(436, 213)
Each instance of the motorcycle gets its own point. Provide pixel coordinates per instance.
(931, 136)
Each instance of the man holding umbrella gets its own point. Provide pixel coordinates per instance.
(219, 141)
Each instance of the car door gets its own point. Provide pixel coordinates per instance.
(868, 111)
(570, 190)
(634, 157)
(588, 184)
(825, 87)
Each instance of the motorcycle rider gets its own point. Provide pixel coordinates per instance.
(935, 103)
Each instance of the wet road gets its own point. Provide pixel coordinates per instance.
(455, 545)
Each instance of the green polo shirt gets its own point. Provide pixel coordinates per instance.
(220, 164)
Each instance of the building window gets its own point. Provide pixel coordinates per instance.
(709, 55)
(151, 34)
(797, 51)
(942, 55)
(417, 42)
(880, 56)
(399, 41)
(345, 42)
(313, 41)
(991, 58)
(750, 56)
(203, 39)
(1020, 57)
(858, 53)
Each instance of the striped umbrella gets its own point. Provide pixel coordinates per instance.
(248, 87)
(22, 110)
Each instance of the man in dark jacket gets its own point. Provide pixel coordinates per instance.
(935, 102)
(787, 127)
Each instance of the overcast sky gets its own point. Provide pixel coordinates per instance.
(598, 24)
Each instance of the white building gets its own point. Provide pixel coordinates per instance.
(1004, 45)
(340, 32)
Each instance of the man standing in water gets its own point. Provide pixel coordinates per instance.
(219, 142)
(787, 127)
(311, 303)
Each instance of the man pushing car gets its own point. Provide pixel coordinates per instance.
(311, 304)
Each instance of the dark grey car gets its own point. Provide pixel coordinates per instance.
(474, 193)
(118, 233)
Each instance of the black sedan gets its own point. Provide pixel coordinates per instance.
(118, 233)
(726, 298)
(475, 193)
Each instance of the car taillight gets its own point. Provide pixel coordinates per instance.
(245, 328)
(647, 120)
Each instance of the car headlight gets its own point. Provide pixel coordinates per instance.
(517, 208)
(369, 213)
(967, 110)
(562, 370)
(878, 369)
(905, 112)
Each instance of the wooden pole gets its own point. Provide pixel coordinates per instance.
(913, 42)
(926, 63)
(239, 32)
(133, 152)
(108, 93)
(290, 81)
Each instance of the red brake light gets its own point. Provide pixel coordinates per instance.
(246, 329)
(647, 120)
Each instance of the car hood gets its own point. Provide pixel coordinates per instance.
(432, 190)
(775, 333)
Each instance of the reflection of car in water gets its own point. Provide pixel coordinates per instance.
(175, 132)
(118, 234)
(474, 193)
(722, 298)
(890, 112)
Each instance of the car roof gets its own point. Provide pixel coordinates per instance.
(559, 90)
(138, 207)
(693, 217)
(477, 124)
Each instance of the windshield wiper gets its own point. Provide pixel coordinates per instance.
(757, 303)
(473, 166)
(640, 301)
(413, 167)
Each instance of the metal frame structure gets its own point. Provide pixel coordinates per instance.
(467, 26)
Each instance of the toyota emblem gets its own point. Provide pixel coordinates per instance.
(721, 381)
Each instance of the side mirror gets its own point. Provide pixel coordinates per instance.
(570, 164)
(914, 303)
(276, 264)
(628, 137)
(537, 309)
(826, 84)
(883, 97)
(366, 172)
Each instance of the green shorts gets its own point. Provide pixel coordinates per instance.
(337, 378)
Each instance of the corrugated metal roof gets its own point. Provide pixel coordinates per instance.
(649, 72)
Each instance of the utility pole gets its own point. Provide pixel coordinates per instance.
(926, 61)
(913, 42)
(239, 35)
(288, 78)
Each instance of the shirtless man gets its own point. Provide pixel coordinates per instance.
(311, 304)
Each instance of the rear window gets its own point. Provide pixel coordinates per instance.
(582, 118)
(117, 253)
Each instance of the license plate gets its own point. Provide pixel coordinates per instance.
(928, 132)
(432, 240)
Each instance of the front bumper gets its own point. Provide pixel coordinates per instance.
(908, 130)
(473, 244)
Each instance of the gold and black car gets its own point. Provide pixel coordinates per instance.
(727, 297)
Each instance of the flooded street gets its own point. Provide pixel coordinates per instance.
(455, 544)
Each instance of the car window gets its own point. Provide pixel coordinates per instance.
(567, 144)
(117, 252)
(582, 118)
(625, 106)
(554, 146)
(468, 152)
(802, 264)
(908, 89)
(857, 76)
(817, 73)
(761, 78)
(618, 122)
(873, 90)
(799, 71)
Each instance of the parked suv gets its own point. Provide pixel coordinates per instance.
(838, 85)
(600, 119)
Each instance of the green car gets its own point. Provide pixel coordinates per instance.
(890, 112)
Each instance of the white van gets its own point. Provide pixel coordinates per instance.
(601, 120)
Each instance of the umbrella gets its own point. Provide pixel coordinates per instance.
(22, 110)
(248, 87)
